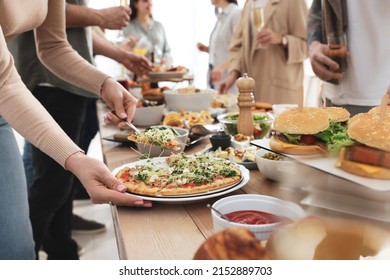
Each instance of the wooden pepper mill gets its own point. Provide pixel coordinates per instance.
(246, 102)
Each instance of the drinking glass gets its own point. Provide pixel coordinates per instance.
(143, 46)
(258, 17)
(121, 37)
(337, 44)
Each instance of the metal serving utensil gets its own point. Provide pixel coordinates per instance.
(130, 125)
(223, 216)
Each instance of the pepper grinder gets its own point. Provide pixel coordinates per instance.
(246, 102)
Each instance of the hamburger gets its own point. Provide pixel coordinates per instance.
(337, 114)
(310, 130)
(369, 156)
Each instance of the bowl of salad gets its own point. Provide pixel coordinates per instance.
(262, 123)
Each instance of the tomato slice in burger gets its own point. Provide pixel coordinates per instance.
(308, 139)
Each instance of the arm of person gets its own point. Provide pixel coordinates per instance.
(135, 63)
(109, 18)
(216, 73)
(320, 62)
(28, 117)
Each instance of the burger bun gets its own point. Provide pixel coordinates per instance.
(306, 120)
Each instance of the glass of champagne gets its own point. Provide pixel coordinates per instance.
(258, 18)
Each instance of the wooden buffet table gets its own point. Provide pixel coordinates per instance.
(175, 231)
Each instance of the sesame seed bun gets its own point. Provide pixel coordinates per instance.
(366, 129)
(308, 120)
(377, 110)
(337, 114)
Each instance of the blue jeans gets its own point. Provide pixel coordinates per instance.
(27, 162)
(16, 238)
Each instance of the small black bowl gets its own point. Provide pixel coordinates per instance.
(220, 140)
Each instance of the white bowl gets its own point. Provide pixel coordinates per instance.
(276, 170)
(277, 109)
(136, 92)
(256, 202)
(147, 116)
(196, 102)
(156, 151)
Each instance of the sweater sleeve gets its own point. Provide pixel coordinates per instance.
(57, 55)
(26, 115)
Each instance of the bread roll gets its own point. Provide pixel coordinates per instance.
(232, 244)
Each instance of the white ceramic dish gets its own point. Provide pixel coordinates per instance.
(328, 164)
(276, 170)
(196, 102)
(255, 202)
(147, 116)
(187, 198)
(167, 75)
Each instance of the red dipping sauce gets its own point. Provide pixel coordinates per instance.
(254, 217)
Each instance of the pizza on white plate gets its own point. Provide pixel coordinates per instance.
(182, 174)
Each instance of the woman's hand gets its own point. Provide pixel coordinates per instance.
(203, 48)
(119, 99)
(111, 119)
(216, 73)
(321, 63)
(136, 63)
(229, 82)
(114, 17)
(267, 36)
(100, 183)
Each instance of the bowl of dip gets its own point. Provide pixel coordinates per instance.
(259, 214)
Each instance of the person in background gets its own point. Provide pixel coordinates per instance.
(273, 56)
(218, 49)
(146, 34)
(21, 110)
(366, 78)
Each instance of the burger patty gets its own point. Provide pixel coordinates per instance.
(367, 155)
(305, 140)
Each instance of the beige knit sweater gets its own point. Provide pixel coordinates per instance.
(17, 105)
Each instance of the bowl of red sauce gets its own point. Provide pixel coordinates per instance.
(259, 214)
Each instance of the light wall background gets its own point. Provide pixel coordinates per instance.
(186, 22)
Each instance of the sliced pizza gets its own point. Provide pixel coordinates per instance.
(184, 174)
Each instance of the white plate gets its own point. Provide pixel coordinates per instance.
(167, 75)
(160, 161)
(349, 204)
(327, 164)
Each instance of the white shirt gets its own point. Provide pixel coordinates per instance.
(368, 40)
(222, 33)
